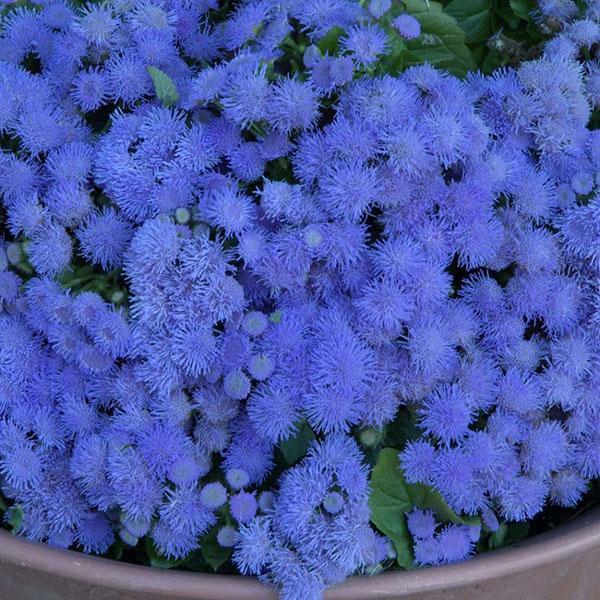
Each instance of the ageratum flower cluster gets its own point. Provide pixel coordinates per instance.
(185, 285)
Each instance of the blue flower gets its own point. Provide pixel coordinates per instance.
(227, 537)
(154, 248)
(274, 411)
(580, 229)
(386, 306)
(249, 451)
(236, 385)
(195, 149)
(535, 194)
(293, 105)
(50, 249)
(243, 506)
(567, 487)
(243, 24)
(573, 354)
(446, 133)
(245, 98)
(134, 486)
(318, 16)
(90, 89)
(427, 552)
(348, 189)
(379, 7)
(104, 237)
(431, 347)
(147, 16)
(237, 478)
(417, 460)
(522, 498)
(173, 544)
(184, 513)
(407, 150)
(97, 24)
(407, 26)
(194, 348)
(255, 546)
(293, 249)
(455, 475)
(254, 323)
(88, 467)
(446, 413)
(421, 524)
(94, 534)
(456, 543)
(247, 161)
(558, 10)
(229, 209)
(20, 463)
(339, 359)
(365, 43)
(127, 77)
(71, 162)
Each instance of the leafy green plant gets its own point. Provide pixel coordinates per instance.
(392, 497)
(165, 88)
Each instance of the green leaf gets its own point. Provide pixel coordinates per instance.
(158, 560)
(474, 18)
(508, 533)
(212, 552)
(497, 538)
(164, 86)
(275, 317)
(523, 8)
(294, 447)
(392, 496)
(479, 54)
(492, 61)
(402, 429)
(3, 505)
(442, 41)
(388, 501)
(329, 42)
(195, 562)
(506, 12)
(115, 552)
(424, 497)
(14, 517)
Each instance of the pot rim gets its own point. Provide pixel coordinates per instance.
(564, 542)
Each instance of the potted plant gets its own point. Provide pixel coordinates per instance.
(555, 565)
(307, 291)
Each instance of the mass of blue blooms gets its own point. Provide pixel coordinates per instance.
(187, 284)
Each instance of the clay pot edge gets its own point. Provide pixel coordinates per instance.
(567, 541)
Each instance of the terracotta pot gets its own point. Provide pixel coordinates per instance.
(561, 565)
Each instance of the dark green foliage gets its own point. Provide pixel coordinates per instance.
(294, 447)
(508, 533)
(392, 497)
(212, 552)
(499, 32)
(164, 86)
(158, 560)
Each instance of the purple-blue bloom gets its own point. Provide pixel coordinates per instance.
(223, 290)
(407, 26)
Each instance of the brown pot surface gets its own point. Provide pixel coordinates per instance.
(560, 565)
